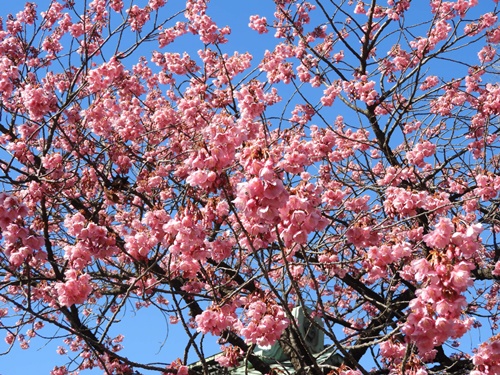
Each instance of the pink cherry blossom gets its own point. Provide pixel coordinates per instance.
(137, 17)
(338, 176)
(486, 358)
(440, 237)
(74, 290)
(216, 320)
(262, 324)
(259, 24)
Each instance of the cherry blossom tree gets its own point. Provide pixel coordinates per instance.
(350, 167)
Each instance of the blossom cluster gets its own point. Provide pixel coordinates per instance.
(93, 241)
(261, 323)
(260, 200)
(437, 312)
(75, 289)
(486, 359)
